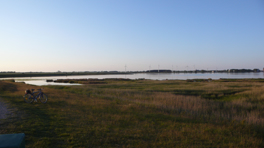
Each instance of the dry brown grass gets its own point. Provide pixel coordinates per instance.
(248, 107)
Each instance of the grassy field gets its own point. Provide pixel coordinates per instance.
(140, 113)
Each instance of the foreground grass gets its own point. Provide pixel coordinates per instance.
(140, 114)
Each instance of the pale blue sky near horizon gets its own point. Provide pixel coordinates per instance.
(106, 35)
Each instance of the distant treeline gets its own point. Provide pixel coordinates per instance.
(203, 71)
(46, 74)
(244, 70)
(229, 70)
(10, 74)
(162, 70)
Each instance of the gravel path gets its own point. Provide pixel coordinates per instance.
(3, 110)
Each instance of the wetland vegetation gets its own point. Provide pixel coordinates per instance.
(140, 113)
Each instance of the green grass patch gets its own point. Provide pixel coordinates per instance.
(138, 114)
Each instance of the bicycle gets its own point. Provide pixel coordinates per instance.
(29, 96)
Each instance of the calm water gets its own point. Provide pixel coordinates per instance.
(153, 76)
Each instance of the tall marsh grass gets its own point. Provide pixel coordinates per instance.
(248, 107)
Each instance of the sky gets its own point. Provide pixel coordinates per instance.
(108, 35)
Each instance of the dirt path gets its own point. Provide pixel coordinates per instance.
(3, 110)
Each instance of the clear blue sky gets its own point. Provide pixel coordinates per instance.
(95, 35)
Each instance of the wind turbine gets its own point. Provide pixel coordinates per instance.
(125, 68)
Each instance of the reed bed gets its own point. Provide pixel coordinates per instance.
(247, 105)
(241, 110)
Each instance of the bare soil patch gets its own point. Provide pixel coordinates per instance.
(3, 110)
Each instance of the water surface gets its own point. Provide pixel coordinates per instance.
(153, 76)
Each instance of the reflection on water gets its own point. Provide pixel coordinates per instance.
(42, 82)
(152, 76)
